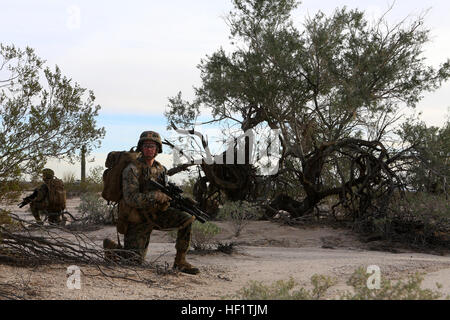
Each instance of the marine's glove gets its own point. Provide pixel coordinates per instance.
(161, 197)
(192, 201)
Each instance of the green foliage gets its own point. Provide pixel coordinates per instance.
(334, 88)
(284, 290)
(74, 189)
(418, 218)
(429, 169)
(95, 175)
(203, 234)
(10, 191)
(43, 114)
(339, 76)
(408, 289)
(188, 185)
(5, 218)
(7, 223)
(94, 210)
(93, 183)
(68, 178)
(239, 213)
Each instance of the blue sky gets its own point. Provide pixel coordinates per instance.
(136, 54)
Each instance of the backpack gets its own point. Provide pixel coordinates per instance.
(56, 195)
(115, 162)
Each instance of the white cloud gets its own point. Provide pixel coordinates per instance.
(134, 64)
(135, 55)
(131, 79)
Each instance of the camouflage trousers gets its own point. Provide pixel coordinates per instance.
(39, 208)
(137, 236)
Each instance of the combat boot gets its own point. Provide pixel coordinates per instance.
(37, 217)
(182, 265)
(108, 247)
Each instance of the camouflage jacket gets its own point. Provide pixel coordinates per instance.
(137, 194)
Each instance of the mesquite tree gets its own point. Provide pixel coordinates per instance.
(42, 114)
(333, 86)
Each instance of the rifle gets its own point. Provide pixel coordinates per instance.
(180, 202)
(28, 199)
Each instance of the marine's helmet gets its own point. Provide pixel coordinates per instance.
(48, 173)
(150, 136)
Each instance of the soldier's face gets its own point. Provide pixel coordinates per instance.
(149, 149)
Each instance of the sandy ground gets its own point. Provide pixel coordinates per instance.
(265, 251)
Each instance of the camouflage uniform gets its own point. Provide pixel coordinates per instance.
(40, 203)
(140, 213)
(144, 215)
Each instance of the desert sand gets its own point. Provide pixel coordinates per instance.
(265, 251)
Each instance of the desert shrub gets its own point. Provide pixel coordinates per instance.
(77, 188)
(73, 189)
(95, 175)
(408, 289)
(72, 186)
(203, 234)
(7, 224)
(94, 209)
(93, 183)
(10, 191)
(187, 185)
(5, 218)
(239, 213)
(417, 218)
(68, 177)
(94, 180)
(284, 290)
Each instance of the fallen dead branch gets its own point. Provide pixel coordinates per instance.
(24, 243)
